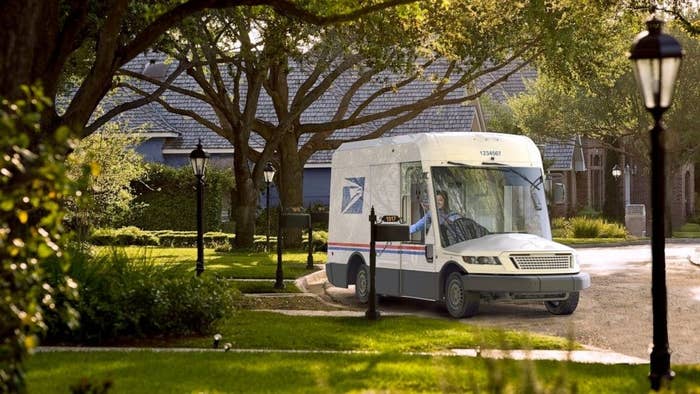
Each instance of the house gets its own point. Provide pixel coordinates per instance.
(578, 169)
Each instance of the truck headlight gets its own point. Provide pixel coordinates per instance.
(484, 260)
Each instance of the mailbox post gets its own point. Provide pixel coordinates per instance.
(291, 220)
(386, 233)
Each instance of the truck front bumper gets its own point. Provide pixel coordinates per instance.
(527, 283)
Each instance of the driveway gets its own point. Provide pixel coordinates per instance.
(614, 313)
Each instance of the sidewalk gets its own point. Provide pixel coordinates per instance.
(577, 356)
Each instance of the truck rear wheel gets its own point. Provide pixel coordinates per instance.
(458, 301)
(362, 284)
(565, 307)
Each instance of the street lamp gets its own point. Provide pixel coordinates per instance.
(656, 58)
(269, 173)
(616, 171)
(199, 159)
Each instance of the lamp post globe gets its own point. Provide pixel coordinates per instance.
(269, 173)
(616, 171)
(199, 159)
(656, 59)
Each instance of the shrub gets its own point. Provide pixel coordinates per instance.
(122, 237)
(585, 227)
(188, 239)
(690, 228)
(122, 296)
(34, 187)
(613, 230)
(561, 228)
(167, 201)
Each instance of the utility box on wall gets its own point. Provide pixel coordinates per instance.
(636, 219)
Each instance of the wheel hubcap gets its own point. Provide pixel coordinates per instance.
(455, 295)
(362, 282)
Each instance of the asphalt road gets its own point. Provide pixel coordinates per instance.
(614, 313)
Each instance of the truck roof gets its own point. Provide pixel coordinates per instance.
(473, 148)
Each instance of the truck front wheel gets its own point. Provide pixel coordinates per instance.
(362, 284)
(565, 307)
(458, 301)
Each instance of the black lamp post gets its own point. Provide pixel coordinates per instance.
(269, 173)
(657, 58)
(199, 159)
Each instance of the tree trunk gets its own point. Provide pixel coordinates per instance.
(291, 181)
(26, 43)
(246, 201)
(245, 211)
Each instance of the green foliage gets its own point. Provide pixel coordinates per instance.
(690, 227)
(613, 230)
(112, 166)
(167, 200)
(218, 372)
(134, 236)
(123, 236)
(33, 184)
(238, 264)
(688, 230)
(587, 227)
(132, 296)
(610, 106)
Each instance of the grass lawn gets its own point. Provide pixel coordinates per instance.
(220, 372)
(242, 265)
(584, 241)
(267, 330)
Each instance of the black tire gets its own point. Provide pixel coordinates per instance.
(362, 284)
(458, 301)
(565, 307)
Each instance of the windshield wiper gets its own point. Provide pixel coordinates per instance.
(506, 167)
(454, 163)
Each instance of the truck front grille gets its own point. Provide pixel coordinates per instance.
(542, 261)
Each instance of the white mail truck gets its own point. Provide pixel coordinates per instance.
(479, 228)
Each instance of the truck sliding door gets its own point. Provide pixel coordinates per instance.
(418, 278)
(384, 192)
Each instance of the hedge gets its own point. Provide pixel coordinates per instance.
(188, 239)
(167, 200)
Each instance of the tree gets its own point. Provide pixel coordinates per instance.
(456, 50)
(113, 165)
(52, 40)
(611, 111)
(685, 12)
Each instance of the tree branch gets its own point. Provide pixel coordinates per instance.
(284, 7)
(99, 122)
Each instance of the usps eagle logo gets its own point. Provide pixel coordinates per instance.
(353, 195)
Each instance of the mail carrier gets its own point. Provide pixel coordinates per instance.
(479, 228)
